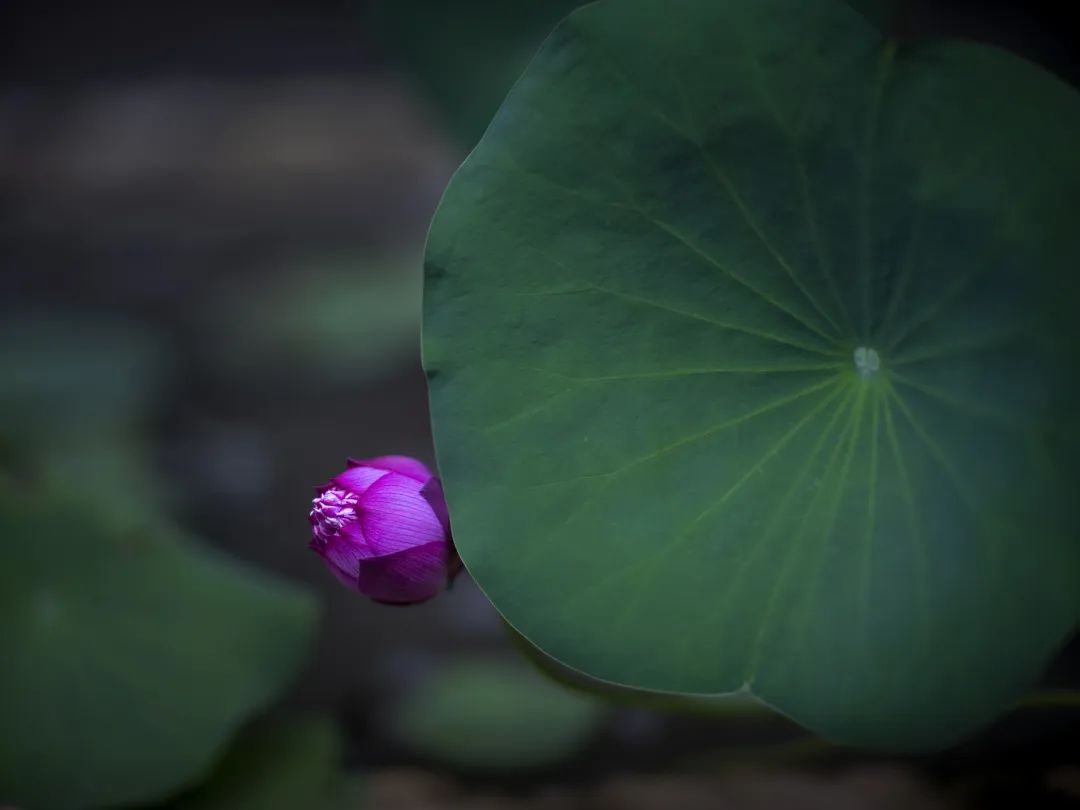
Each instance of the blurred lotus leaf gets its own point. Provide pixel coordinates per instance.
(494, 715)
(335, 319)
(129, 655)
(75, 392)
(67, 378)
(115, 474)
(283, 766)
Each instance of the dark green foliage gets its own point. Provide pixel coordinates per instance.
(671, 458)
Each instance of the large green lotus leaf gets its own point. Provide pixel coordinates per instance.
(466, 54)
(752, 343)
(129, 656)
(732, 705)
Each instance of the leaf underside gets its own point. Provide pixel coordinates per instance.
(752, 352)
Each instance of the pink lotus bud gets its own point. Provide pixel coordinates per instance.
(383, 529)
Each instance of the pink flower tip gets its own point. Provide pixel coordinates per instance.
(382, 528)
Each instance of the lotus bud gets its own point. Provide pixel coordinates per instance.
(383, 529)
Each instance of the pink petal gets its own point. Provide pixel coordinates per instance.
(344, 551)
(358, 479)
(399, 464)
(394, 516)
(343, 577)
(406, 577)
(432, 492)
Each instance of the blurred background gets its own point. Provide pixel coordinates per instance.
(211, 227)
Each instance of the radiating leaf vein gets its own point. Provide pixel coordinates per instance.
(746, 417)
(649, 107)
(786, 567)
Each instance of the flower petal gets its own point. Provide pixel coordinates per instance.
(344, 551)
(399, 464)
(406, 577)
(358, 479)
(432, 492)
(395, 516)
(343, 577)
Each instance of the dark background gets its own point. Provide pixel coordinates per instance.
(244, 187)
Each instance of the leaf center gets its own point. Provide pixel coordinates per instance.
(867, 362)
